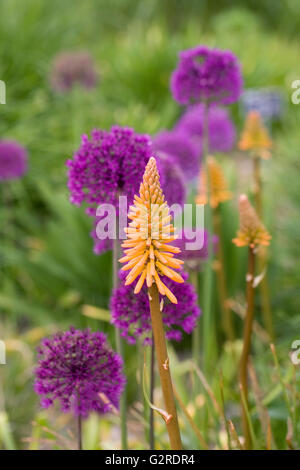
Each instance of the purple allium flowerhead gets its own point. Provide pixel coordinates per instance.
(182, 148)
(171, 179)
(220, 127)
(205, 74)
(193, 244)
(131, 313)
(109, 164)
(70, 68)
(78, 369)
(13, 160)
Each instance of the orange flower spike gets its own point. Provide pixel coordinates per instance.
(217, 185)
(147, 253)
(252, 232)
(255, 135)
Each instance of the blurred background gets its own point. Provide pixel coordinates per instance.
(50, 277)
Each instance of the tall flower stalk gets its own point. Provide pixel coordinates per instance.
(107, 165)
(211, 77)
(219, 193)
(148, 256)
(256, 140)
(251, 234)
(208, 333)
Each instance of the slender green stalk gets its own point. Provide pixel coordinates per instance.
(163, 368)
(249, 421)
(79, 429)
(262, 259)
(243, 371)
(221, 279)
(208, 323)
(120, 347)
(152, 385)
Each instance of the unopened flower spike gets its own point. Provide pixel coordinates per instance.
(217, 185)
(252, 232)
(255, 136)
(148, 254)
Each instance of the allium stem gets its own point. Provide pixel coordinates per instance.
(262, 261)
(163, 367)
(152, 385)
(257, 186)
(119, 345)
(243, 372)
(221, 279)
(79, 430)
(196, 340)
(208, 324)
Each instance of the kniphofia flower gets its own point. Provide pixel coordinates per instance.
(79, 370)
(147, 250)
(252, 232)
(255, 136)
(218, 189)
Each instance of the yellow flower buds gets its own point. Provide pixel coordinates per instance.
(148, 254)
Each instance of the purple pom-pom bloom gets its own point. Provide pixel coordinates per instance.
(221, 128)
(191, 238)
(107, 165)
(13, 160)
(131, 314)
(78, 369)
(182, 148)
(70, 68)
(205, 74)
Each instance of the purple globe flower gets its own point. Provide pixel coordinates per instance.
(70, 68)
(193, 244)
(220, 127)
(13, 160)
(171, 179)
(108, 164)
(184, 151)
(131, 314)
(205, 74)
(78, 369)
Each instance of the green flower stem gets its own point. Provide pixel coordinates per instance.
(120, 346)
(79, 426)
(243, 369)
(262, 259)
